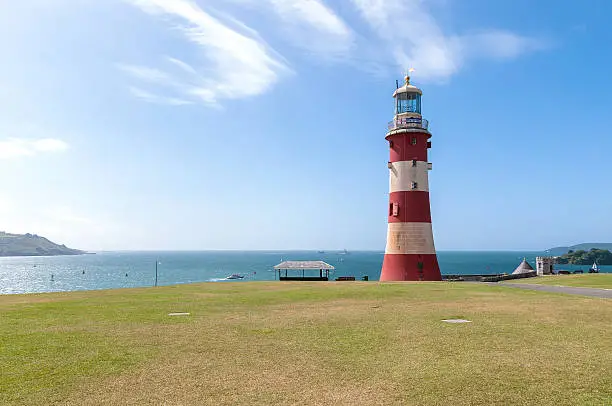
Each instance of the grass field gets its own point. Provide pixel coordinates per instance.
(258, 343)
(593, 280)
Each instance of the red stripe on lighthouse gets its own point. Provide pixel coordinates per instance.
(412, 207)
(410, 267)
(408, 146)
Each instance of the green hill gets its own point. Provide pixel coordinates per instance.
(587, 246)
(582, 257)
(13, 245)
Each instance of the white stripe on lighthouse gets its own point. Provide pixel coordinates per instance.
(403, 175)
(410, 238)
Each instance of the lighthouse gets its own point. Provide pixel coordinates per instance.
(410, 254)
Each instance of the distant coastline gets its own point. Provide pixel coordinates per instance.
(582, 257)
(587, 246)
(32, 245)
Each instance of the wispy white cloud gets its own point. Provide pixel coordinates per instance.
(153, 98)
(498, 44)
(410, 33)
(234, 61)
(183, 65)
(145, 73)
(314, 26)
(310, 25)
(238, 62)
(19, 147)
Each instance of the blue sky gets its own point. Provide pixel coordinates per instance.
(260, 124)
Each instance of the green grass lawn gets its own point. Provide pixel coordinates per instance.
(592, 280)
(258, 343)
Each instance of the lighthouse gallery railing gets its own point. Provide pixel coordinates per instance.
(400, 123)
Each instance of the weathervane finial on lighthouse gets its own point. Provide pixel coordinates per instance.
(407, 77)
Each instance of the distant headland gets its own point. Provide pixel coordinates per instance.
(582, 257)
(583, 254)
(587, 246)
(16, 245)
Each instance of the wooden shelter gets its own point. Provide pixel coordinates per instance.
(303, 266)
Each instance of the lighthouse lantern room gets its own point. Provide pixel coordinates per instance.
(410, 254)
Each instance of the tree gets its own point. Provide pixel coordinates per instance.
(582, 257)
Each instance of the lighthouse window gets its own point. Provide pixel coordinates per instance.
(408, 103)
(395, 210)
(413, 141)
(414, 163)
(415, 185)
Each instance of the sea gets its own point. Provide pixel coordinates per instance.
(112, 270)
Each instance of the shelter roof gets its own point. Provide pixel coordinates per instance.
(524, 267)
(304, 265)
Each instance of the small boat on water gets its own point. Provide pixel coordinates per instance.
(235, 276)
(594, 268)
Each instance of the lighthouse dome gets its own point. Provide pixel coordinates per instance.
(407, 88)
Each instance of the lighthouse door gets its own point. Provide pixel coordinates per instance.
(420, 267)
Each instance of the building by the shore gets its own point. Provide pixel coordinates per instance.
(545, 265)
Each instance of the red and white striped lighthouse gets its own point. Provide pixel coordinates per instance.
(410, 254)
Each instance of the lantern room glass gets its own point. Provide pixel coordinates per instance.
(408, 103)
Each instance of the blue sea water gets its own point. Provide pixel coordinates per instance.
(109, 270)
